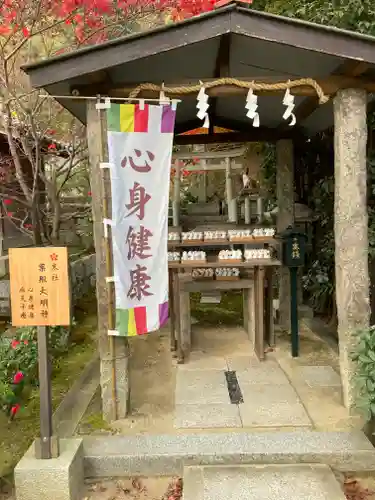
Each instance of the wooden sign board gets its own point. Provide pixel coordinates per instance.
(39, 286)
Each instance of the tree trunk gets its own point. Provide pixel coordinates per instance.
(56, 220)
(285, 218)
(36, 223)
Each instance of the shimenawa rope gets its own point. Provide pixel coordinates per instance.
(190, 89)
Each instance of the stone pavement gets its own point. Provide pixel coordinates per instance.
(278, 393)
(203, 401)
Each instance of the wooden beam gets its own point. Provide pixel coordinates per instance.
(329, 85)
(210, 155)
(215, 167)
(354, 69)
(222, 69)
(253, 135)
(234, 125)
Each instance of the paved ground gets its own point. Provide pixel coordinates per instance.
(280, 393)
(158, 488)
(202, 399)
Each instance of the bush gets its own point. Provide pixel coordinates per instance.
(364, 357)
(19, 364)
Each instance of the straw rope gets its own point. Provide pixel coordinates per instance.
(190, 89)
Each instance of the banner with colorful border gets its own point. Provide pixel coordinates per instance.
(140, 140)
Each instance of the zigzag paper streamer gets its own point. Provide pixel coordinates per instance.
(288, 101)
(252, 106)
(202, 106)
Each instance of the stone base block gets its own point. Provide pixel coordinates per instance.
(58, 478)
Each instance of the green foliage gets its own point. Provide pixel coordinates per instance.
(320, 277)
(319, 280)
(188, 198)
(228, 312)
(268, 168)
(364, 357)
(355, 15)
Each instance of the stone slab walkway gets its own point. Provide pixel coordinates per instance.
(268, 482)
(202, 395)
(202, 398)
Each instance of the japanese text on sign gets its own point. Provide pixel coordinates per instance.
(295, 249)
(138, 237)
(39, 286)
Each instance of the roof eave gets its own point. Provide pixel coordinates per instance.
(27, 68)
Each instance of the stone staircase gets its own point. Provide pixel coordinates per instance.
(261, 482)
(171, 454)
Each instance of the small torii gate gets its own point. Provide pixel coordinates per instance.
(228, 161)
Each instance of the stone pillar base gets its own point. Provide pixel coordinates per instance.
(58, 478)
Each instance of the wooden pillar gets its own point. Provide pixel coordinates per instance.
(172, 310)
(247, 209)
(202, 179)
(259, 311)
(185, 322)
(234, 200)
(260, 210)
(269, 321)
(177, 308)
(285, 218)
(229, 189)
(97, 145)
(176, 195)
(351, 228)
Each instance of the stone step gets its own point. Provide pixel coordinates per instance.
(265, 482)
(154, 455)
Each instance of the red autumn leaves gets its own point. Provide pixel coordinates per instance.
(89, 17)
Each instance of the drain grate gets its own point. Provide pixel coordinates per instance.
(234, 389)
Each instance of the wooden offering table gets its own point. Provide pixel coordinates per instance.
(258, 310)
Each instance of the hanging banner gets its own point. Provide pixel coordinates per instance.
(140, 140)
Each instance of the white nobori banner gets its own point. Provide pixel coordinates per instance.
(140, 140)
